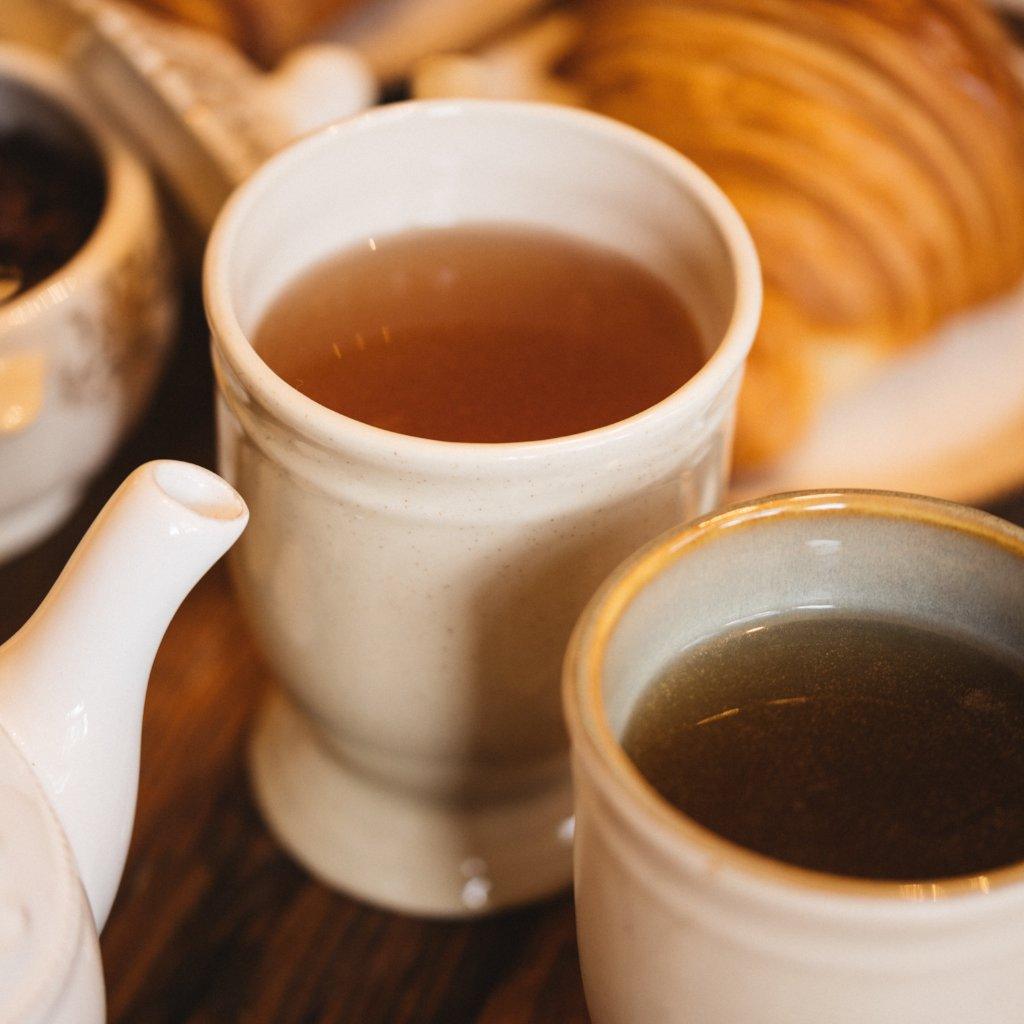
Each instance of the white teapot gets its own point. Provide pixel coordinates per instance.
(72, 686)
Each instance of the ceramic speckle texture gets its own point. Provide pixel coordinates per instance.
(79, 352)
(676, 922)
(414, 596)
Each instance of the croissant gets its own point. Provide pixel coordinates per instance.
(874, 147)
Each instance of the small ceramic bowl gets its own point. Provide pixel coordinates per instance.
(79, 351)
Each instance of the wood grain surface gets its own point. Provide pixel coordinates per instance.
(213, 922)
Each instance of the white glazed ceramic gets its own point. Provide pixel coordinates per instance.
(50, 969)
(80, 351)
(72, 685)
(678, 925)
(415, 596)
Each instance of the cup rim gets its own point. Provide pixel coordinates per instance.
(672, 829)
(123, 174)
(334, 430)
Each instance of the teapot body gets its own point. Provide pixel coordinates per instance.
(50, 970)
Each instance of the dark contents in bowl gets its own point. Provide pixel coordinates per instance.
(50, 201)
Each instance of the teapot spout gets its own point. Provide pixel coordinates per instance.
(73, 680)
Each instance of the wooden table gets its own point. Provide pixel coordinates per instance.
(213, 922)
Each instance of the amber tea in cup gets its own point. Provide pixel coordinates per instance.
(481, 332)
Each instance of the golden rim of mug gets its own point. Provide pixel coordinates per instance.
(122, 175)
(584, 702)
(334, 430)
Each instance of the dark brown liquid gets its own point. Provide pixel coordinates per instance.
(866, 747)
(50, 201)
(481, 333)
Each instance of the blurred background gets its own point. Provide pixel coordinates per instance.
(876, 150)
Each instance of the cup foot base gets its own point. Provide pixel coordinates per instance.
(28, 524)
(404, 853)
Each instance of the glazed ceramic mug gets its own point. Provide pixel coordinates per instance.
(80, 351)
(677, 924)
(414, 597)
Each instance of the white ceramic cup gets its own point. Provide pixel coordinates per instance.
(677, 924)
(80, 351)
(413, 596)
